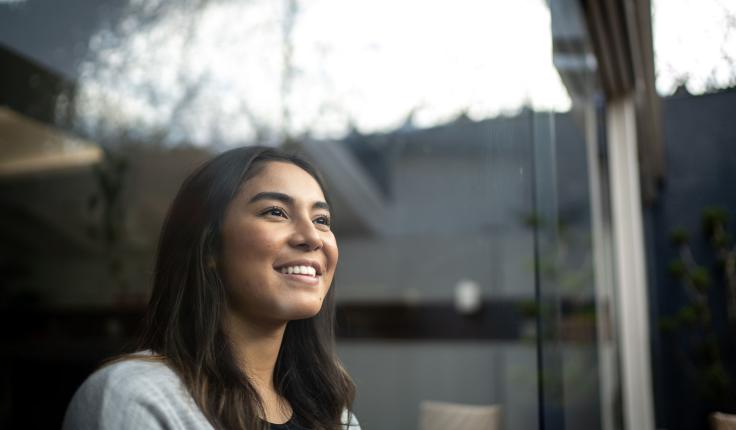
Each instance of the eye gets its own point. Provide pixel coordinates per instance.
(275, 211)
(324, 220)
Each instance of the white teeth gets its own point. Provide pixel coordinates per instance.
(300, 270)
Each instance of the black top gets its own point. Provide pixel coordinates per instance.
(289, 425)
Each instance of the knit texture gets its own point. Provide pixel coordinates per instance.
(139, 394)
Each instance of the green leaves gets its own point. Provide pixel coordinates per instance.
(692, 326)
(700, 278)
(678, 269)
(679, 237)
(713, 218)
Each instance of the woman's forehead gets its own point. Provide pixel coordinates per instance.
(287, 178)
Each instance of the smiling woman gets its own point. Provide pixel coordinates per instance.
(239, 330)
(279, 220)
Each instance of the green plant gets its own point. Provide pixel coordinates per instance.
(701, 352)
(564, 264)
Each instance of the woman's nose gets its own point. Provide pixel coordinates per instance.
(306, 236)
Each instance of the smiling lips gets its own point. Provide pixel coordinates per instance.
(299, 270)
(303, 274)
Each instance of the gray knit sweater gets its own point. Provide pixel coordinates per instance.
(138, 394)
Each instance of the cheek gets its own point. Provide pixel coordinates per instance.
(336, 254)
(332, 253)
(249, 251)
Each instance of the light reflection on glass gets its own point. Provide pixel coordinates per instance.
(238, 71)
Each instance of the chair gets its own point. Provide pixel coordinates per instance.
(435, 415)
(721, 421)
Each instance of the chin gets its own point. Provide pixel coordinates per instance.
(303, 312)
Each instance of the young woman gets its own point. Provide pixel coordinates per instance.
(239, 329)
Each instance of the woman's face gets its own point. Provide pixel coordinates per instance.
(278, 221)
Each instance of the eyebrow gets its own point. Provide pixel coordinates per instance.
(285, 198)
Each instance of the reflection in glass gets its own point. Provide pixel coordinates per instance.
(235, 71)
(455, 155)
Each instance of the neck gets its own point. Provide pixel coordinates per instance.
(256, 347)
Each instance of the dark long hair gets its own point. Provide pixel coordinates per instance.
(184, 321)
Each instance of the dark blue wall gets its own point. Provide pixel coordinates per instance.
(700, 147)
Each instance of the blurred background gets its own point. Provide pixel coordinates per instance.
(534, 199)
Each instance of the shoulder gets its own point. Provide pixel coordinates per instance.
(131, 393)
(349, 420)
(132, 377)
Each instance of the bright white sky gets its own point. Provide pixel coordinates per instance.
(362, 63)
(693, 42)
(355, 62)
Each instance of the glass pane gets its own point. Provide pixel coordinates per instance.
(439, 297)
(456, 151)
(578, 346)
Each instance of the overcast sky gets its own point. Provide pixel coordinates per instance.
(219, 71)
(694, 41)
(353, 63)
